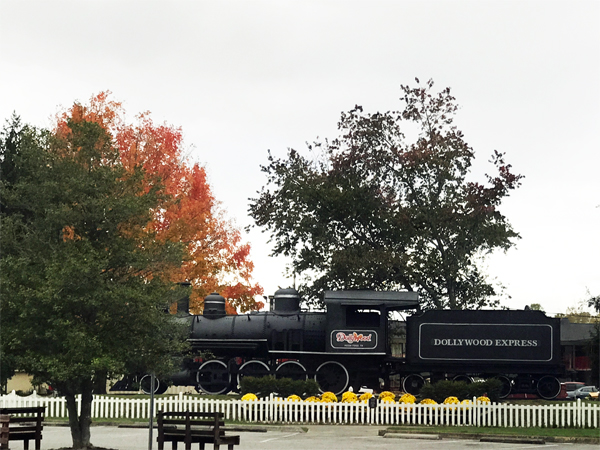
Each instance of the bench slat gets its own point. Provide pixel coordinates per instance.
(34, 410)
(23, 429)
(17, 419)
(191, 413)
(208, 423)
(15, 435)
(194, 433)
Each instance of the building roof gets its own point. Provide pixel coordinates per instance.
(575, 333)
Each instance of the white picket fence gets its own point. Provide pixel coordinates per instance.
(274, 410)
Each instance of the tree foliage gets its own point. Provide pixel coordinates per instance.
(373, 210)
(579, 313)
(536, 307)
(216, 259)
(100, 222)
(594, 302)
(79, 300)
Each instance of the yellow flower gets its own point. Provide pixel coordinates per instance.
(451, 401)
(483, 400)
(249, 397)
(365, 397)
(313, 399)
(428, 401)
(328, 397)
(407, 398)
(349, 397)
(294, 398)
(466, 403)
(387, 394)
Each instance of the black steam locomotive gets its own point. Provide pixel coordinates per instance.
(349, 345)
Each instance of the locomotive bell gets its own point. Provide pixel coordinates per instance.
(287, 300)
(214, 306)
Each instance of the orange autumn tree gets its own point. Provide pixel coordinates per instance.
(216, 259)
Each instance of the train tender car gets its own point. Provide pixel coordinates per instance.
(346, 346)
(519, 347)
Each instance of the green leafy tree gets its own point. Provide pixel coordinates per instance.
(594, 302)
(578, 313)
(373, 210)
(80, 297)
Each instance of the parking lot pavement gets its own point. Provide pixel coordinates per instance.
(318, 437)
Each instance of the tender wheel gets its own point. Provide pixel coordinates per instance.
(213, 377)
(506, 386)
(464, 378)
(256, 369)
(413, 383)
(333, 377)
(291, 369)
(160, 387)
(548, 387)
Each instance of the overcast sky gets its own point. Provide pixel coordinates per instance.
(243, 77)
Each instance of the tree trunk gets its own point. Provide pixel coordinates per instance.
(100, 383)
(80, 423)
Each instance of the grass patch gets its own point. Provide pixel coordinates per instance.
(539, 401)
(530, 432)
(203, 396)
(115, 421)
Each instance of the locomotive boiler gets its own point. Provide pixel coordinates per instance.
(349, 345)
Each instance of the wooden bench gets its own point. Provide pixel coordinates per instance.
(197, 427)
(4, 421)
(22, 424)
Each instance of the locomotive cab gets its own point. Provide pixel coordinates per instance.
(357, 321)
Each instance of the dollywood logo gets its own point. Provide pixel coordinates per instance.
(353, 337)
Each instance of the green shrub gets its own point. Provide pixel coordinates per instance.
(284, 387)
(443, 389)
(262, 387)
(22, 393)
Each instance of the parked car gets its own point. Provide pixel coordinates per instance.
(582, 392)
(568, 386)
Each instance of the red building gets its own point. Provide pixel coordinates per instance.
(574, 341)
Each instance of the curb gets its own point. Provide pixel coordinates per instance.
(431, 437)
(511, 440)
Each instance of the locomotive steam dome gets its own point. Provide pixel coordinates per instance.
(214, 306)
(287, 300)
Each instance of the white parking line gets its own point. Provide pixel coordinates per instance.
(281, 437)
